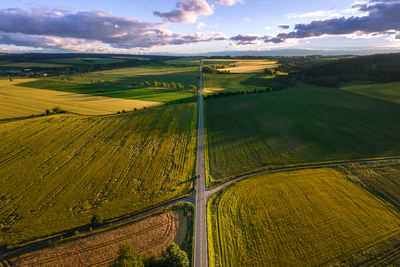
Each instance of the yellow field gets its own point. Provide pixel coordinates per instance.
(18, 101)
(249, 65)
(56, 171)
(297, 218)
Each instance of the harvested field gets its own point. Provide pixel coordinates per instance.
(18, 101)
(299, 218)
(56, 171)
(151, 235)
(305, 124)
(250, 65)
(380, 178)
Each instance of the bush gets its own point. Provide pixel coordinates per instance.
(127, 256)
(176, 257)
(96, 220)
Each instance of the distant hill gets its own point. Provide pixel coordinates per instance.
(301, 52)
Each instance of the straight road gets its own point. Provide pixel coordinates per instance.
(200, 232)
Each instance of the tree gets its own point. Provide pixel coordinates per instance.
(269, 72)
(155, 83)
(172, 85)
(96, 219)
(176, 257)
(127, 257)
(134, 84)
(142, 84)
(146, 83)
(193, 87)
(179, 85)
(163, 84)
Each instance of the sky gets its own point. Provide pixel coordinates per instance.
(196, 26)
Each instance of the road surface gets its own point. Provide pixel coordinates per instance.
(200, 224)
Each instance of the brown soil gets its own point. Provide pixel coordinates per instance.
(151, 235)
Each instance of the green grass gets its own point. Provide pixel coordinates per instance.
(385, 91)
(297, 126)
(90, 83)
(80, 60)
(56, 171)
(228, 82)
(298, 218)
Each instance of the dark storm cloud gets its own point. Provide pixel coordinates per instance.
(44, 28)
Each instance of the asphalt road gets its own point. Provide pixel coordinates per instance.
(200, 232)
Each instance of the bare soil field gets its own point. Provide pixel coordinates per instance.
(151, 235)
(18, 101)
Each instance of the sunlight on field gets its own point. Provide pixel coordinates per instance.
(56, 171)
(17, 101)
(385, 91)
(297, 218)
(250, 65)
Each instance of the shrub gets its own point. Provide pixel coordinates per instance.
(127, 256)
(176, 257)
(96, 219)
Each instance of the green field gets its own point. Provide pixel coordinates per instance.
(56, 171)
(227, 82)
(34, 65)
(298, 218)
(97, 83)
(80, 60)
(297, 126)
(385, 91)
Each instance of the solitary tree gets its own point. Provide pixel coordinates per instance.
(176, 257)
(127, 257)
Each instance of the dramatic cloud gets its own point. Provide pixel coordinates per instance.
(188, 11)
(78, 31)
(382, 18)
(284, 26)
